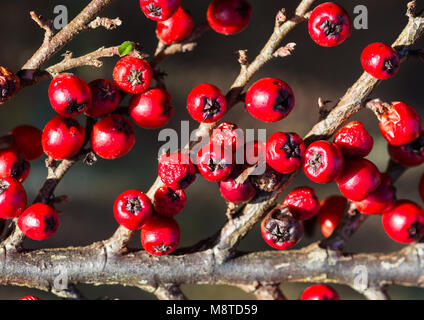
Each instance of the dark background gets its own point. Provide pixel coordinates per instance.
(312, 72)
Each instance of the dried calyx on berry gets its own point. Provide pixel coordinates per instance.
(9, 84)
(267, 182)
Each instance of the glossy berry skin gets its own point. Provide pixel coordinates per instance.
(176, 170)
(39, 221)
(229, 16)
(400, 123)
(206, 103)
(29, 298)
(421, 188)
(106, 98)
(303, 203)
(353, 140)
(69, 95)
(132, 75)
(236, 191)
(359, 178)
(13, 198)
(62, 138)
(404, 222)
(160, 235)
(176, 28)
(254, 152)
(409, 155)
(269, 100)
(324, 162)
(215, 163)
(112, 137)
(380, 60)
(159, 10)
(151, 109)
(169, 202)
(330, 214)
(26, 140)
(285, 152)
(132, 209)
(13, 164)
(227, 135)
(319, 292)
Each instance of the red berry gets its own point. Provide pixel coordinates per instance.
(160, 235)
(29, 298)
(132, 209)
(152, 109)
(421, 187)
(380, 60)
(215, 163)
(69, 95)
(359, 178)
(206, 103)
(112, 137)
(319, 292)
(169, 202)
(400, 123)
(106, 98)
(229, 16)
(39, 221)
(27, 140)
(409, 155)
(13, 198)
(176, 170)
(324, 162)
(353, 140)
(133, 75)
(330, 214)
(254, 153)
(285, 152)
(236, 191)
(13, 164)
(227, 135)
(302, 203)
(159, 10)
(329, 25)
(62, 138)
(269, 100)
(404, 222)
(176, 28)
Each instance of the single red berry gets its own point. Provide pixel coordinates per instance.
(69, 95)
(133, 75)
(27, 140)
(29, 298)
(176, 170)
(176, 28)
(159, 10)
(132, 209)
(421, 188)
(13, 164)
(303, 203)
(39, 221)
(409, 155)
(62, 138)
(400, 123)
(269, 100)
(324, 162)
(353, 140)
(206, 103)
(404, 222)
(106, 98)
(330, 214)
(380, 60)
(319, 292)
(252, 153)
(229, 16)
(227, 135)
(152, 109)
(160, 235)
(169, 202)
(285, 152)
(359, 178)
(280, 229)
(329, 25)
(215, 163)
(235, 189)
(112, 137)
(13, 198)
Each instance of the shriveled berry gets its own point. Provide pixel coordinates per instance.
(159, 10)
(236, 190)
(160, 235)
(229, 16)
(380, 60)
(269, 181)
(353, 140)
(176, 170)
(39, 221)
(206, 103)
(106, 98)
(132, 209)
(319, 292)
(409, 155)
(9, 84)
(26, 139)
(13, 198)
(330, 214)
(303, 203)
(132, 74)
(176, 28)
(169, 202)
(215, 163)
(227, 135)
(13, 164)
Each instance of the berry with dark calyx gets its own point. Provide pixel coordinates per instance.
(330, 214)
(229, 16)
(26, 139)
(227, 135)
(112, 137)
(13, 164)
(169, 202)
(159, 10)
(133, 75)
(319, 292)
(160, 235)
(359, 178)
(409, 155)
(235, 189)
(176, 170)
(106, 98)
(353, 140)
(280, 229)
(132, 209)
(9, 84)
(13, 198)
(151, 109)
(303, 203)
(215, 163)
(404, 222)
(380, 60)
(69, 95)
(324, 162)
(269, 100)
(267, 182)
(29, 298)
(206, 103)
(176, 28)
(39, 221)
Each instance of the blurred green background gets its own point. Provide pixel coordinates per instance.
(312, 72)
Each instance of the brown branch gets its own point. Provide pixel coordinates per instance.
(169, 292)
(44, 24)
(107, 23)
(265, 291)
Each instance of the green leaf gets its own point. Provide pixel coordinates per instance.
(125, 48)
